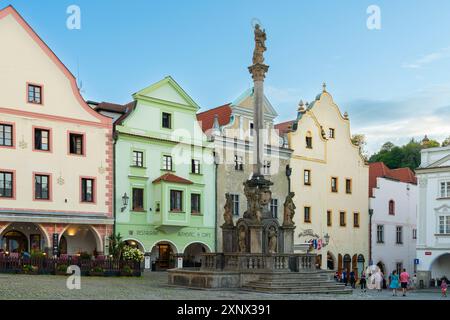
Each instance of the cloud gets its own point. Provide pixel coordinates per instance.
(423, 112)
(427, 59)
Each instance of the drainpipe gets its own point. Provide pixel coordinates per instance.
(115, 137)
(216, 165)
(370, 236)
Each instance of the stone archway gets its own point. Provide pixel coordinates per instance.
(162, 255)
(192, 254)
(19, 237)
(331, 261)
(347, 263)
(135, 244)
(81, 239)
(440, 267)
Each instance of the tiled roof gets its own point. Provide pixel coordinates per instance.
(206, 118)
(124, 110)
(284, 127)
(169, 177)
(379, 169)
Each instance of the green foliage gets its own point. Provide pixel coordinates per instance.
(98, 269)
(37, 254)
(85, 256)
(62, 267)
(29, 268)
(126, 269)
(446, 142)
(116, 245)
(132, 254)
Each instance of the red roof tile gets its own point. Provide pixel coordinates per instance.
(284, 127)
(379, 169)
(206, 118)
(169, 177)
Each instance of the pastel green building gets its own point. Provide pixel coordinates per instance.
(164, 176)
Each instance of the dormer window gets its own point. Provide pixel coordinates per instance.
(331, 133)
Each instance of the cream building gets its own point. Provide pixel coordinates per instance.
(330, 180)
(230, 128)
(55, 151)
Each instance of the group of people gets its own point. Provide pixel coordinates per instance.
(377, 280)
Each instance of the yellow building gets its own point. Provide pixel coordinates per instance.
(330, 179)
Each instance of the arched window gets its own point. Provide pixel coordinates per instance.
(392, 207)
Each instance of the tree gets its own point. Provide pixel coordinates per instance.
(116, 245)
(360, 141)
(430, 144)
(446, 142)
(387, 146)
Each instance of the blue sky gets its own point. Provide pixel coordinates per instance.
(394, 82)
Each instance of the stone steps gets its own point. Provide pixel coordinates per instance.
(314, 282)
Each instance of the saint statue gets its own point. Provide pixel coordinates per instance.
(260, 47)
(272, 235)
(289, 210)
(242, 240)
(228, 214)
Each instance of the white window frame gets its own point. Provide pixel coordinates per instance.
(444, 189)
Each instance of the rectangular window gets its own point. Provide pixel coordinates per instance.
(166, 120)
(356, 220)
(414, 234)
(252, 129)
(138, 159)
(176, 201)
(6, 135)
(342, 218)
(76, 143)
(329, 218)
(309, 142)
(235, 199)
(195, 166)
(307, 214)
(444, 224)
(34, 94)
(399, 235)
(41, 187)
(445, 189)
(167, 163)
(195, 203)
(6, 185)
(41, 139)
(266, 167)
(307, 177)
(348, 186)
(334, 184)
(380, 233)
(331, 133)
(138, 199)
(238, 163)
(87, 190)
(274, 208)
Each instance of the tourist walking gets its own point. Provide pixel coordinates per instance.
(344, 277)
(352, 279)
(414, 282)
(393, 284)
(362, 282)
(444, 287)
(378, 280)
(404, 279)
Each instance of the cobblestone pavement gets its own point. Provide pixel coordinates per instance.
(153, 285)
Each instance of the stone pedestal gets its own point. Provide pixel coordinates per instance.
(256, 238)
(228, 239)
(288, 239)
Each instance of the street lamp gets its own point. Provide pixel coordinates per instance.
(288, 175)
(327, 239)
(124, 202)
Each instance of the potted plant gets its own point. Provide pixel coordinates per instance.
(97, 271)
(126, 271)
(61, 269)
(30, 269)
(133, 255)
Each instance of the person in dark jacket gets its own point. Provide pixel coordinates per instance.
(352, 279)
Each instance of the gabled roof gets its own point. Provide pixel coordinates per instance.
(169, 177)
(206, 118)
(249, 93)
(168, 80)
(380, 170)
(123, 109)
(10, 10)
(284, 127)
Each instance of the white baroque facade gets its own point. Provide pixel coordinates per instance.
(393, 201)
(433, 242)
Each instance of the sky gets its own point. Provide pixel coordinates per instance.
(393, 81)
